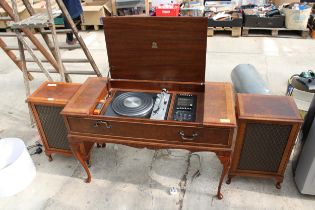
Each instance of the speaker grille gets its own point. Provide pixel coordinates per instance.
(53, 126)
(263, 147)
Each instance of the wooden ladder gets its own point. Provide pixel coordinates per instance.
(40, 21)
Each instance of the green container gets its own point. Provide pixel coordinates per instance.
(59, 20)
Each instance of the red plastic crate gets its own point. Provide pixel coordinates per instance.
(167, 10)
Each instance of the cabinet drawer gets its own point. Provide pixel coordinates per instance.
(150, 131)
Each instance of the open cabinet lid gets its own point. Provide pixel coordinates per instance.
(157, 48)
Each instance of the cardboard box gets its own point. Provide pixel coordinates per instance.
(281, 2)
(106, 3)
(40, 6)
(23, 13)
(93, 12)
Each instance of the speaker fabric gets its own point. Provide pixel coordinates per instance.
(53, 126)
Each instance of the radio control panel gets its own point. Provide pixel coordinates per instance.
(185, 107)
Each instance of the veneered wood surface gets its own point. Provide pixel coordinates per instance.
(215, 108)
(54, 93)
(265, 109)
(219, 104)
(213, 134)
(150, 131)
(85, 99)
(268, 107)
(157, 48)
(157, 85)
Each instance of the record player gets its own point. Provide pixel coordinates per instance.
(155, 94)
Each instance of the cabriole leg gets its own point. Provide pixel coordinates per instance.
(75, 147)
(225, 161)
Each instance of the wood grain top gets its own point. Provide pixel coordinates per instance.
(157, 48)
(85, 99)
(219, 104)
(267, 107)
(54, 93)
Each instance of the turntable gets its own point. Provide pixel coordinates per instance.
(155, 95)
(152, 106)
(140, 105)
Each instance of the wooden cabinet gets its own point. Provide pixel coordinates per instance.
(148, 54)
(267, 129)
(46, 104)
(212, 131)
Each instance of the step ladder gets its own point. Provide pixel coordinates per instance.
(42, 22)
(39, 22)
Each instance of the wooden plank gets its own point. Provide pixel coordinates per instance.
(69, 47)
(279, 29)
(7, 34)
(17, 48)
(147, 7)
(57, 54)
(63, 46)
(245, 32)
(274, 32)
(5, 18)
(70, 60)
(57, 31)
(235, 31)
(210, 32)
(39, 20)
(114, 9)
(22, 56)
(53, 71)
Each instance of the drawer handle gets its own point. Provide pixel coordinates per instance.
(100, 123)
(190, 138)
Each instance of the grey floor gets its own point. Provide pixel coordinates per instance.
(129, 178)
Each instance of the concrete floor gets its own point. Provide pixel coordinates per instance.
(129, 178)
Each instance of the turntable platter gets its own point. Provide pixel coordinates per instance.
(133, 104)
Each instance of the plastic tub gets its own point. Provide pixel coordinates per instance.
(297, 19)
(17, 169)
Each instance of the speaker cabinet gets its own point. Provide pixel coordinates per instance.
(46, 104)
(267, 129)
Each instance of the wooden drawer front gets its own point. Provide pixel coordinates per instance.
(204, 135)
(150, 131)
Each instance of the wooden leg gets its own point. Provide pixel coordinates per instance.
(88, 163)
(75, 147)
(225, 161)
(98, 145)
(304, 34)
(49, 157)
(229, 179)
(278, 183)
(210, 31)
(245, 32)
(274, 32)
(236, 31)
